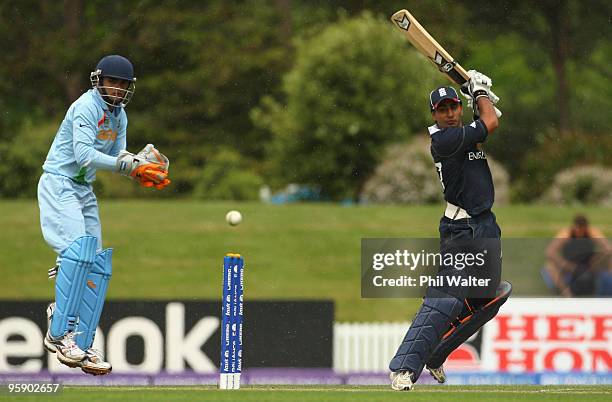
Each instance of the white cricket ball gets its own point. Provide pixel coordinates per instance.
(233, 218)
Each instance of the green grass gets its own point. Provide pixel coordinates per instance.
(337, 394)
(174, 249)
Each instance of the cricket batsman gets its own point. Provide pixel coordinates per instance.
(448, 315)
(92, 136)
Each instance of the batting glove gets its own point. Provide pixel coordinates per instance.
(479, 84)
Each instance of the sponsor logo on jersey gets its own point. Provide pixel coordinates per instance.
(107, 135)
(476, 155)
(105, 132)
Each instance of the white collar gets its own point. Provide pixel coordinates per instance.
(433, 129)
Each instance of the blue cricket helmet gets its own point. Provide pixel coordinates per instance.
(117, 67)
(114, 66)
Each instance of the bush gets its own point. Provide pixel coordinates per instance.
(407, 175)
(22, 158)
(226, 177)
(352, 89)
(515, 136)
(555, 154)
(581, 185)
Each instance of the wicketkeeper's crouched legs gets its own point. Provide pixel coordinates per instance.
(433, 319)
(475, 314)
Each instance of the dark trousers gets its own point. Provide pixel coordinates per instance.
(478, 236)
(443, 305)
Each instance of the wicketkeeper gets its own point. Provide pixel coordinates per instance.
(448, 315)
(92, 136)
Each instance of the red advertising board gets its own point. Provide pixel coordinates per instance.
(542, 334)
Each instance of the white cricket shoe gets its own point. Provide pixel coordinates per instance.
(94, 363)
(68, 352)
(438, 374)
(401, 380)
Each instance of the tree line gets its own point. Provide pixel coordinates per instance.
(243, 93)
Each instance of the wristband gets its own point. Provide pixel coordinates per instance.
(481, 92)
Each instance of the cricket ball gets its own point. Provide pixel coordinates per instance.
(233, 218)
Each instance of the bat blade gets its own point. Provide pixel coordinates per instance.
(430, 48)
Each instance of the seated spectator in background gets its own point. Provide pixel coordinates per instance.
(578, 261)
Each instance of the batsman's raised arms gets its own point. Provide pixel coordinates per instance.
(429, 47)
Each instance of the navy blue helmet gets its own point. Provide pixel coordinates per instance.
(441, 93)
(118, 67)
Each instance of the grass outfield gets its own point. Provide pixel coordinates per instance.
(174, 249)
(337, 393)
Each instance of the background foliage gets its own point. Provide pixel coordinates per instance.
(290, 90)
(349, 93)
(581, 185)
(405, 177)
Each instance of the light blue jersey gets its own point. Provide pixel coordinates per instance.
(89, 138)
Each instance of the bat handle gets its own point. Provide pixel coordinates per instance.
(497, 112)
(495, 98)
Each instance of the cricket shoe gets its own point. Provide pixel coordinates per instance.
(438, 374)
(401, 380)
(68, 352)
(94, 363)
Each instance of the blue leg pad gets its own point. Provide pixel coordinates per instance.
(472, 318)
(93, 299)
(77, 261)
(431, 322)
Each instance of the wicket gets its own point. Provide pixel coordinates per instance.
(231, 322)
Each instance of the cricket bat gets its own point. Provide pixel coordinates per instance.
(430, 48)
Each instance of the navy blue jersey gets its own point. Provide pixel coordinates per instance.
(462, 167)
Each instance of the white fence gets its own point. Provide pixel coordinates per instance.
(366, 346)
